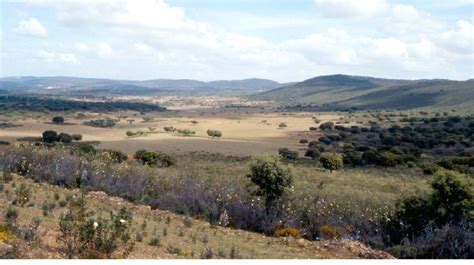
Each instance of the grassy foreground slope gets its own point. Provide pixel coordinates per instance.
(345, 92)
(178, 236)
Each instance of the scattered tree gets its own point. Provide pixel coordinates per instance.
(50, 136)
(58, 120)
(326, 126)
(214, 133)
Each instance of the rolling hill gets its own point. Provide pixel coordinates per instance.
(341, 92)
(131, 87)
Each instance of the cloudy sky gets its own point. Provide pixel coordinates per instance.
(284, 40)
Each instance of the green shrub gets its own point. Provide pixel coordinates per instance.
(76, 137)
(11, 214)
(285, 153)
(450, 203)
(138, 237)
(65, 138)
(23, 194)
(58, 120)
(326, 126)
(7, 174)
(94, 238)
(155, 241)
(313, 153)
(104, 123)
(429, 168)
(453, 197)
(50, 136)
(155, 159)
(271, 177)
(214, 133)
(172, 249)
(116, 156)
(331, 161)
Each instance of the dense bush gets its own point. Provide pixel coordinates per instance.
(271, 177)
(326, 126)
(331, 161)
(116, 156)
(65, 138)
(39, 104)
(50, 136)
(429, 168)
(445, 210)
(214, 133)
(155, 159)
(288, 154)
(325, 140)
(313, 153)
(101, 123)
(58, 120)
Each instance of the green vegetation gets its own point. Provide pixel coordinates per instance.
(42, 104)
(85, 236)
(435, 226)
(101, 123)
(331, 161)
(271, 177)
(58, 120)
(214, 133)
(155, 159)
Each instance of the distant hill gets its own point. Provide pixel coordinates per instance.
(130, 86)
(341, 92)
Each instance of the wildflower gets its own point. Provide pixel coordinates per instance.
(96, 225)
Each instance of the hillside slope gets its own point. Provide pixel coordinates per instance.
(179, 237)
(339, 92)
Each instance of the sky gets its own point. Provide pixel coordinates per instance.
(282, 40)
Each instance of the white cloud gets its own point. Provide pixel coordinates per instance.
(31, 27)
(350, 8)
(406, 20)
(81, 47)
(157, 39)
(57, 57)
(104, 51)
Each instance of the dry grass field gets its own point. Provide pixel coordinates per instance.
(243, 134)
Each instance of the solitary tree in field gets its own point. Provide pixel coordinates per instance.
(282, 125)
(272, 178)
(58, 120)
